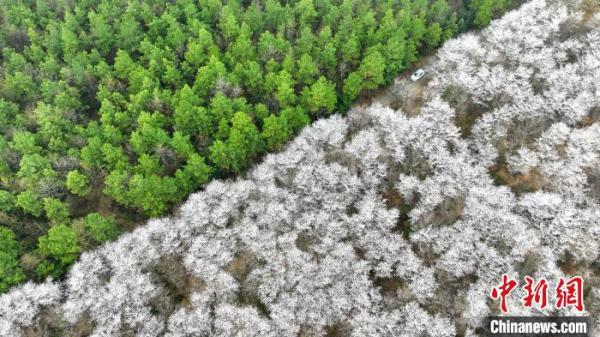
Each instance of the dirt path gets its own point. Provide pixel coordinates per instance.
(402, 93)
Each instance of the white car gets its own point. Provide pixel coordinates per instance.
(417, 75)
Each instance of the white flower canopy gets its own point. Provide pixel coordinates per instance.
(374, 224)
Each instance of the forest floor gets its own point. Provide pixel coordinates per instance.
(402, 93)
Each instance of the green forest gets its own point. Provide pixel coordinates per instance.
(114, 111)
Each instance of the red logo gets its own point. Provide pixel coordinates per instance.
(567, 292)
(570, 293)
(536, 293)
(503, 291)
